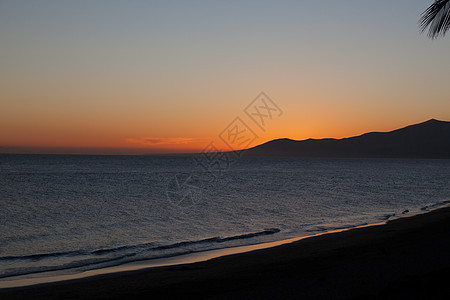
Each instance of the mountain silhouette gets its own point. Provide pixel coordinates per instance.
(430, 139)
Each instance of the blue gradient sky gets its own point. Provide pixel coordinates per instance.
(97, 74)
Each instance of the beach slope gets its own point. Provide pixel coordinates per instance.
(405, 258)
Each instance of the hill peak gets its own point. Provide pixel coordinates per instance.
(429, 139)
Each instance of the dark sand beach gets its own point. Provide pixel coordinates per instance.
(408, 258)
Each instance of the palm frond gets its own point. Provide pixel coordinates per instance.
(436, 18)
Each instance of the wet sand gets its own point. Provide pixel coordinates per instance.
(405, 258)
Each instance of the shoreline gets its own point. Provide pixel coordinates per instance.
(49, 277)
(364, 261)
(190, 258)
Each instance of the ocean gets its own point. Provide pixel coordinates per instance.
(74, 213)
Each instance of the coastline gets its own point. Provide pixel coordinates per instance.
(398, 258)
(190, 258)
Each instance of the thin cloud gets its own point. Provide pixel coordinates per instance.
(159, 141)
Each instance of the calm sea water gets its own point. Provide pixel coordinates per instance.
(76, 213)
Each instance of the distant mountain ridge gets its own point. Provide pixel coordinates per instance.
(430, 139)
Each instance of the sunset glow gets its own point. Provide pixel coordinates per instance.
(165, 77)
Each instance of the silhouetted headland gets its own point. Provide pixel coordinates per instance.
(430, 139)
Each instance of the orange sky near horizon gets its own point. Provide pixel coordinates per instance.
(118, 78)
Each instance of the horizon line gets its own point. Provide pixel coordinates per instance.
(123, 151)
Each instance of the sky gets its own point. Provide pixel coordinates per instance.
(138, 77)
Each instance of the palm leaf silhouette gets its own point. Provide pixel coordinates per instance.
(436, 18)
